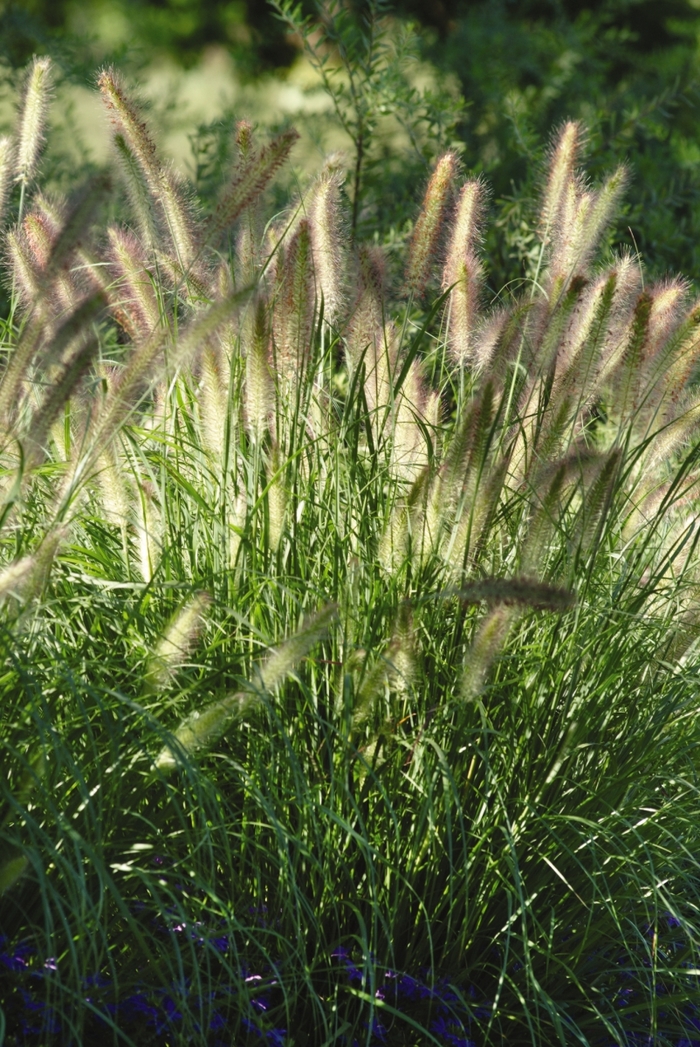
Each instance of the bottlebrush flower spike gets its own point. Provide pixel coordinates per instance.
(327, 240)
(259, 391)
(132, 295)
(162, 183)
(367, 315)
(426, 234)
(582, 221)
(214, 412)
(31, 119)
(250, 179)
(276, 500)
(466, 224)
(142, 203)
(203, 729)
(559, 191)
(23, 267)
(488, 642)
(409, 449)
(294, 306)
(7, 163)
(463, 271)
(177, 642)
(127, 122)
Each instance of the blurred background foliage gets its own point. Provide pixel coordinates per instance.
(629, 68)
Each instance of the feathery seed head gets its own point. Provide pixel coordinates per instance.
(463, 271)
(244, 137)
(276, 501)
(327, 239)
(178, 640)
(279, 663)
(133, 140)
(488, 642)
(22, 266)
(259, 389)
(467, 280)
(426, 234)
(367, 313)
(147, 532)
(35, 579)
(14, 575)
(138, 191)
(201, 730)
(7, 163)
(132, 297)
(127, 122)
(294, 308)
(466, 226)
(40, 238)
(394, 539)
(31, 119)
(250, 178)
(213, 401)
(113, 489)
(559, 194)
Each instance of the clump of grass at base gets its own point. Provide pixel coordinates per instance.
(466, 530)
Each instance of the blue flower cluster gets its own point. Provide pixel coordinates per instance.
(30, 987)
(155, 1015)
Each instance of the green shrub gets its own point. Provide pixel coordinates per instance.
(466, 531)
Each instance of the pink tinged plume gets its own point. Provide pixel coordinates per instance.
(426, 234)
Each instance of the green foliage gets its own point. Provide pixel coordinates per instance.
(357, 600)
(364, 61)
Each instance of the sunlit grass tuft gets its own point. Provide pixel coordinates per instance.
(349, 689)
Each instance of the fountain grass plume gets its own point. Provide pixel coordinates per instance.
(253, 173)
(132, 294)
(175, 207)
(31, 121)
(294, 307)
(7, 162)
(328, 237)
(200, 731)
(425, 238)
(177, 641)
(259, 389)
(277, 499)
(142, 203)
(558, 193)
(463, 272)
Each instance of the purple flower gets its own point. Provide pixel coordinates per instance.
(451, 1031)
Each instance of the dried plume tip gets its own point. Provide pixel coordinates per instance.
(31, 120)
(426, 235)
(523, 592)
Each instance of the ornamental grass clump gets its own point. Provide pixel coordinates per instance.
(349, 618)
